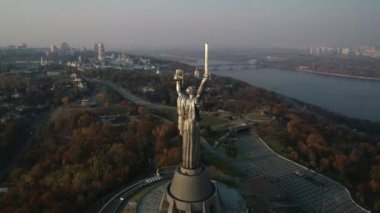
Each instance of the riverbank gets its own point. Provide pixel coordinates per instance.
(339, 75)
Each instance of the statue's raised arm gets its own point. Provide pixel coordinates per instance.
(178, 77)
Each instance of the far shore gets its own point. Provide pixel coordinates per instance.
(190, 61)
(339, 75)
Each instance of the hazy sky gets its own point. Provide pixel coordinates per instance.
(187, 23)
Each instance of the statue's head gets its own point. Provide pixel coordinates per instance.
(191, 90)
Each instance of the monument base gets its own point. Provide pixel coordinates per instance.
(190, 191)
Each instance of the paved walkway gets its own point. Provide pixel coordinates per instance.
(231, 200)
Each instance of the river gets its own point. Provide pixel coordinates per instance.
(353, 98)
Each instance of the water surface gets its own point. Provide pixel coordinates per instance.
(354, 98)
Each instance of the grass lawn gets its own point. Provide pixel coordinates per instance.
(214, 121)
(255, 205)
(290, 210)
(258, 117)
(168, 114)
(273, 142)
(226, 169)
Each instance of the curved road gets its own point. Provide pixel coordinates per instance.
(135, 99)
(118, 201)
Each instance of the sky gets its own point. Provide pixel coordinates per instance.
(123, 24)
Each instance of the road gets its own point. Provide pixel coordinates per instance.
(114, 204)
(313, 191)
(118, 201)
(131, 97)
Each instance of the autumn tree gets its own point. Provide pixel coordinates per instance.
(375, 178)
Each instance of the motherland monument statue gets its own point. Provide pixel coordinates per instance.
(190, 190)
(189, 117)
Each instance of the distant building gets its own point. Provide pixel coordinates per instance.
(4, 188)
(377, 55)
(112, 57)
(43, 61)
(226, 85)
(80, 83)
(130, 60)
(100, 52)
(303, 67)
(53, 48)
(345, 51)
(16, 94)
(85, 102)
(366, 51)
(145, 61)
(323, 51)
(123, 58)
(147, 89)
(23, 46)
(339, 51)
(314, 51)
(197, 73)
(53, 73)
(65, 48)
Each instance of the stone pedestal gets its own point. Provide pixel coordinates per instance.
(190, 191)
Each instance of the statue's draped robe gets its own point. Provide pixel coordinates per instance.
(188, 125)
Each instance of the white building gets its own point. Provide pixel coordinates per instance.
(197, 73)
(345, 51)
(323, 51)
(53, 48)
(100, 52)
(43, 61)
(366, 51)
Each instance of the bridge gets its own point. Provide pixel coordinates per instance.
(230, 66)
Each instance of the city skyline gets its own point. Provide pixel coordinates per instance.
(179, 24)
